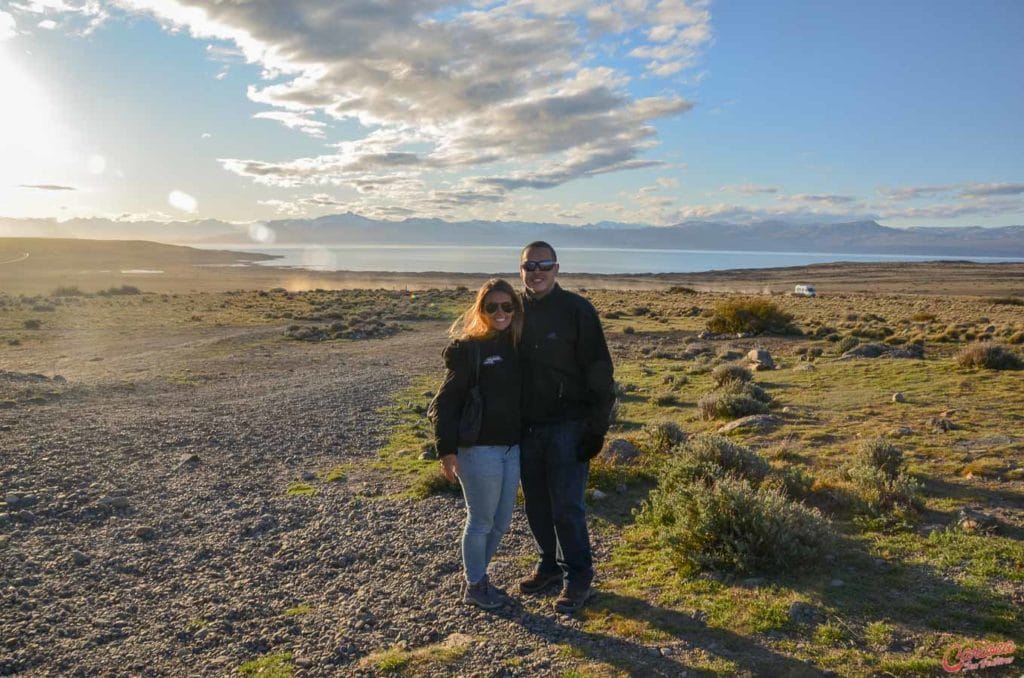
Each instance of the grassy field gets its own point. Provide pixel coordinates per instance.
(896, 589)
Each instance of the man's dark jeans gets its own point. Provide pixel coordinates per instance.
(553, 484)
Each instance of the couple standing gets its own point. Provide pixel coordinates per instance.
(544, 372)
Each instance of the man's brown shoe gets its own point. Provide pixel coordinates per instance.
(538, 581)
(572, 598)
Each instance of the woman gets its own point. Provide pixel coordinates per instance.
(483, 352)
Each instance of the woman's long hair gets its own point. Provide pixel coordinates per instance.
(473, 323)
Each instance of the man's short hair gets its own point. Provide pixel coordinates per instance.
(537, 244)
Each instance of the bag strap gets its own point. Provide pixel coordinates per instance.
(476, 363)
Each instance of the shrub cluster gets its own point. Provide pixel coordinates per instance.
(750, 315)
(735, 399)
(662, 436)
(880, 481)
(724, 374)
(713, 509)
(990, 356)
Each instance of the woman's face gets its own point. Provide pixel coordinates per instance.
(498, 310)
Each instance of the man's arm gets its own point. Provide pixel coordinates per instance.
(595, 363)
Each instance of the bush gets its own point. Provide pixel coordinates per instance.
(724, 374)
(753, 315)
(33, 324)
(666, 399)
(729, 405)
(707, 457)
(123, 290)
(880, 482)
(990, 356)
(734, 526)
(1009, 301)
(662, 436)
(748, 389)
(847, 343)
(70, 291)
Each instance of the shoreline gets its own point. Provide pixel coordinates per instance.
(54, 263)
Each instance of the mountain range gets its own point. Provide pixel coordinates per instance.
(856, 237)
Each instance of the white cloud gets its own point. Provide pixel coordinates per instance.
(296, 121)
(811, 199)
(957, 210)
(748, 189)
(205, 135)
(47, 24)
(180, 200)
(989, 190)
(914, 192)
(478, 99)
(8, 26)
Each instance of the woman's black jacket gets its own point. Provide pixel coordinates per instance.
(500, 385)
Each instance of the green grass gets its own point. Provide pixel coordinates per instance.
(429, 658)
(277, 665)
(298, 610)
(300, 490)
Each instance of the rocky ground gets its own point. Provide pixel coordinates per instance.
(145, 526)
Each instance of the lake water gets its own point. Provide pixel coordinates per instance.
(469, 259)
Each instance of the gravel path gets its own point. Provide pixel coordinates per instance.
(145, 529)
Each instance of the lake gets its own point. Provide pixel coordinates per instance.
(483, 259)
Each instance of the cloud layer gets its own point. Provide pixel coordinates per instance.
(462, 103)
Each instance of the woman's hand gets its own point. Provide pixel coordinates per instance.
(450, 467)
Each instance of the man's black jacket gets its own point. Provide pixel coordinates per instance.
(500, 379)
(567, 369)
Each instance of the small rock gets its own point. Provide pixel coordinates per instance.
(898, 397)
(788, 410)
(665, 652)
(805, 613)
(596, 494)
(621, 488)
(806, 367)
(188, 459)
(114, 501)
(145, 532)
(970, 519)
(4, 539)
(428, 452)
(303, 662)
(942, 424)
(79, 558)
(620, 451)
(760, 359)
(902, 432)
(837, 583)
(754, 422)
(308, 476)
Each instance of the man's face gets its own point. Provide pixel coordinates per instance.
(538, 283)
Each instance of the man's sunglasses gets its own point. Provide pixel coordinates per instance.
(492, 307)
(544, 264)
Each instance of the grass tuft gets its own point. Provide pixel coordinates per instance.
(989, 356)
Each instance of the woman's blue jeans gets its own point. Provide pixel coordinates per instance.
(489, 475)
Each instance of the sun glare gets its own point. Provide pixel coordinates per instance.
(34, 146)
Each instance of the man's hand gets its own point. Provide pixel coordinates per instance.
(590, 445)
(450, 467)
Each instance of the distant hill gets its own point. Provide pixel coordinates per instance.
(857, 237)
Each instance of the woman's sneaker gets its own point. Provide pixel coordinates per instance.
(483, 595)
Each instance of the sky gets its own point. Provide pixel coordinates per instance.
(635, 111)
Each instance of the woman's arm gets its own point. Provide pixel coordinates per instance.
(446, 408)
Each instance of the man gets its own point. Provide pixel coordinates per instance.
(568, 395)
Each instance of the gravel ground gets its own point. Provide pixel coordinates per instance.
(145, 529)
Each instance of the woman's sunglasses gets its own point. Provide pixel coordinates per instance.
(492, 307)
(530, 265)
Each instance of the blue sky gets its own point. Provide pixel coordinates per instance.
(568, 111)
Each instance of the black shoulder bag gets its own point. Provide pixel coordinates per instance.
(472, 417)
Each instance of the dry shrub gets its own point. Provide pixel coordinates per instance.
(880, 482)
(662, 436)
(1008, 301)
(736, 526)
(750, 315)
(749, 389)
(990, 356)
(729, 405)
(724, 374)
